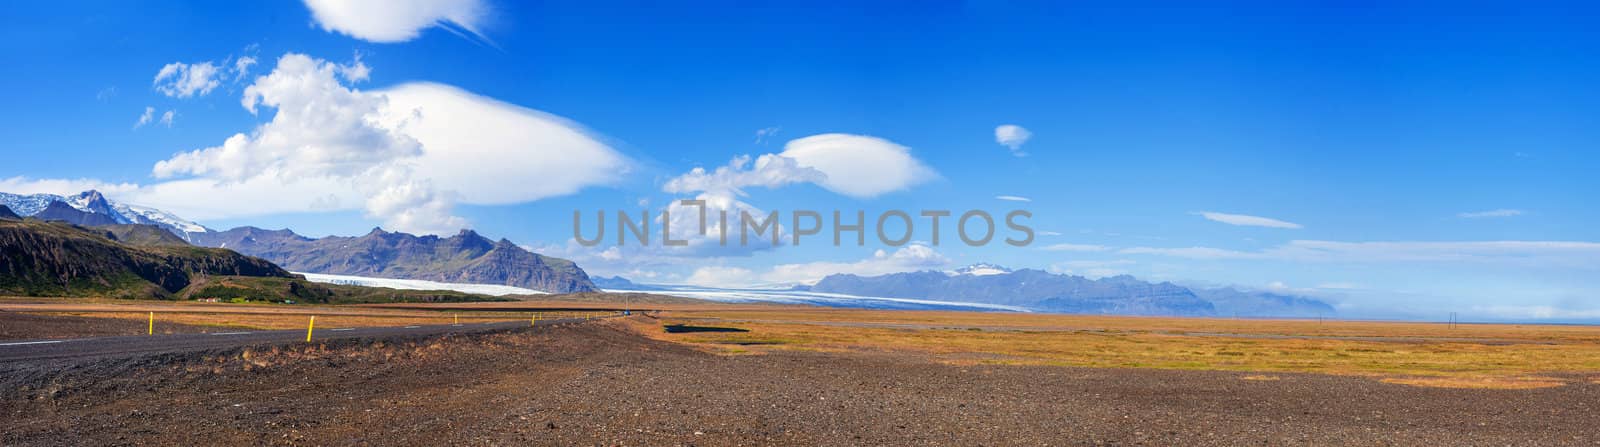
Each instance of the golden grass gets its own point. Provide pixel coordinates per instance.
(1486, 356)
(1305, 327)
(1500, 383)
(1418, 354)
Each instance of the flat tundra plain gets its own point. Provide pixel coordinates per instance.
(799, 376)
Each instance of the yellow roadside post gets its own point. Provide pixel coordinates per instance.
(309, 326)
(458, 318)
(152, 330)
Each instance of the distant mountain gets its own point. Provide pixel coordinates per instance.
(62, 212)
(464, 258)
(39, 258)
(1234, 302)
(6, 213)
(141, 235)
(1047, 292)
(1027, 288)
(103, 211)
(614, 282)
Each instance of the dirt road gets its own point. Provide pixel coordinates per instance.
(101, 347)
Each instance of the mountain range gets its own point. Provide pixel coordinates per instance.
(1048, 292)
(471, 258)
(466, 257)
(92, 208)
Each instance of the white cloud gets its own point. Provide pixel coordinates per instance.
(852, 165)
(1049, 233)
(859, 166)
(1491, 213)
(168, 116)
(1014, 198)
(62, 187)
(321, 128)
(241, 67)
(180, 80)
(1247, 220)
(1567, 253)
(769, 171)
(1076, 247)
(536, 155)
(390, 21)
(405, 154)
(1012, 137)
(145, 118)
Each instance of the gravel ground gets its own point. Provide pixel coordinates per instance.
(594, 384)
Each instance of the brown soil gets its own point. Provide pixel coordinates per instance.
(597, 383)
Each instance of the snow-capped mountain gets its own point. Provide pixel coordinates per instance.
(981, 269)
(152, 216)
(92, 201)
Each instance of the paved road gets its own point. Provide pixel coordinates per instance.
(54, 349)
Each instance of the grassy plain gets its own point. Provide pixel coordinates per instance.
(1426, 354)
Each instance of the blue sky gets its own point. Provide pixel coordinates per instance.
(1429, 158)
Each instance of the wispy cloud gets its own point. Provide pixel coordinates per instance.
(26, 185)
(1248, 220)
(1490, 214)
(764, 134)
(1566, 253)
(1075, 247)
(1014, 198)
(145, 118)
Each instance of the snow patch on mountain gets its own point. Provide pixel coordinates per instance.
(152, 216)
(980, 269)
(92, 201)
